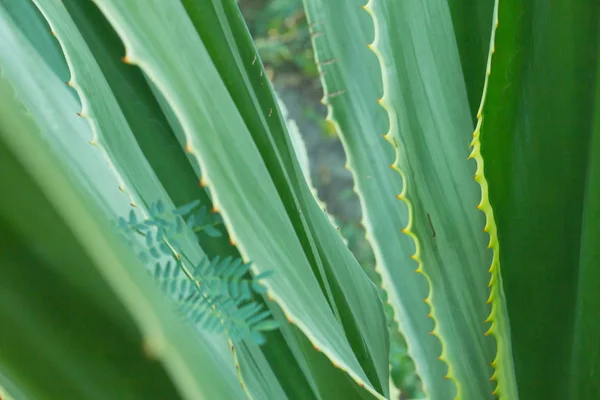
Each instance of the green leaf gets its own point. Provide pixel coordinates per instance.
(212, 231)
(216, 134)
(430, 129)
(159, 145)
(63, 131)
(35, 28)
(110, 127)
(320, 378)
(586, 352)
(154, 131)
(128, 86)
(340, 35)
(539, 153)
(257, 373)
(257, 106)
(56, 120)
(503, 363)
(86, 308)
(112, 133)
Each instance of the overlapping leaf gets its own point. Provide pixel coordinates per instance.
(84, 304)
(539, 147)
(270, 239)
(430, 129)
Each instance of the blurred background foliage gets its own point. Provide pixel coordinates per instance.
(280, 31)
(281, 34)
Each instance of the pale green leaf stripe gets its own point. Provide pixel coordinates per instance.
(8, 390)
(297, 142)
(112, 135)
(430, 128)
(302, 155)
(178, 63)
(254, 372)
(196, 368)
(340, 34)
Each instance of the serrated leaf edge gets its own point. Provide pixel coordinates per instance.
(205, 181)
(85, 112)
(369, 8)
(506, 387)
(365, 223)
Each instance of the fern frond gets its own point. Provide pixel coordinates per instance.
(214, 295)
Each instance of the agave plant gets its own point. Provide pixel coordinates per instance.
(160, 238)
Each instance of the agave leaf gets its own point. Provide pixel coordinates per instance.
(129, 89)
(340, 35)
(323, 380)
(217, 134)
(36, 29)
(503, 364)
(148, 123)
(538, 142)
(88, 294)
(112, 133)
(256, 373)
(46, 85)
(55, 110)
(158, 143)
(257, 105)
(430, 128)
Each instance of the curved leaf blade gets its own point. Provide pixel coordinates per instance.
(77, 251)
(187, 91)
(340, 35)
(430, 128)
(535, 141)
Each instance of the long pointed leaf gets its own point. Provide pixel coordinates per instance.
(340, 35)
(188, 92)
(536, 133)
(74, 268)
(430, 128)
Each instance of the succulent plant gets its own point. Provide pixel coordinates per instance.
(160, 236)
